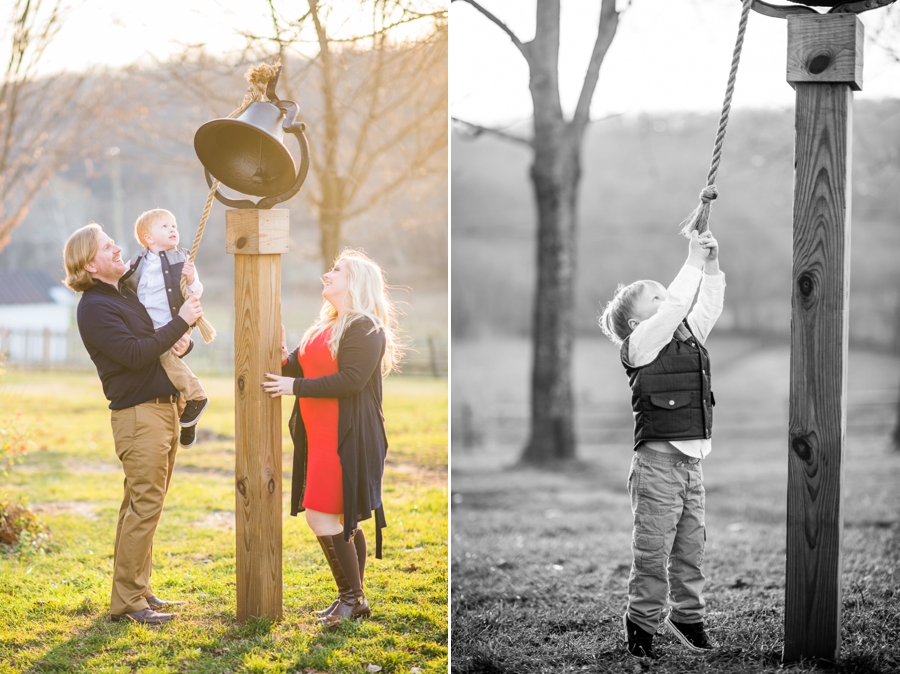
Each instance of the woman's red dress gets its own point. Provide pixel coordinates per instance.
(324, 478)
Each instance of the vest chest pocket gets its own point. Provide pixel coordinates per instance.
(670, 414)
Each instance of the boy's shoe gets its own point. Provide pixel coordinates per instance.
(691, 635)
(188, 436)
(638, 643)
(192, 411)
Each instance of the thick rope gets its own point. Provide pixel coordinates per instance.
(258, 77)
(699, 218)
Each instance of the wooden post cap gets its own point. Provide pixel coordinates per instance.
(825, 48)
(250, 231)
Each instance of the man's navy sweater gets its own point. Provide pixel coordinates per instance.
(118, 334)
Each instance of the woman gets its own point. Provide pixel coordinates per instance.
(337, 424)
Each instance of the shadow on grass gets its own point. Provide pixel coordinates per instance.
(226, 645)
(83, 645)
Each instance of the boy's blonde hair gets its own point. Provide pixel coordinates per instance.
(367, 296)
(613, 320)
(145, 222)
(80, 249)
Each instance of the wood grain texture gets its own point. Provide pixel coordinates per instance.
(257, 339)
(250, 231)
(825, 48)
(818, 398)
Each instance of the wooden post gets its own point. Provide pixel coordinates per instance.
(824, 66)
(257, 238)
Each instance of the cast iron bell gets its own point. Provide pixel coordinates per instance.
(248, 155)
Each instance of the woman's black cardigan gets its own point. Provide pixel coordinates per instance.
(362, 443)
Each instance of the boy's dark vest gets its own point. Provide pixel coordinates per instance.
(172, 262)
(671, 396)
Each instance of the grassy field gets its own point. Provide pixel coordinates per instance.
(540, 558)
(54, 602)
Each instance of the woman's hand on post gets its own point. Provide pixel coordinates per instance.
(191, 311)
(278, 386)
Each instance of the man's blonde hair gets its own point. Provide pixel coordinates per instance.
(79, 250)
(145, 222)
(367, 295)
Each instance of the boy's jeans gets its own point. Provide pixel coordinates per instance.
(668, 502)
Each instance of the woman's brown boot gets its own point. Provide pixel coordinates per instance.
(353, 604)
(340, 580)
(359, 540)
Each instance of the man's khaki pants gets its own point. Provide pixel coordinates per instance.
(146, 438)
(181, 377)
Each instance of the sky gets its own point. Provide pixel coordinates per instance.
(668, 55)
(116, 33)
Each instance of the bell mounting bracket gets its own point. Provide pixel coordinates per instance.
(806, 7)
(289, 125)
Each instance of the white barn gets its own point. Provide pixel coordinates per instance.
(35, 316)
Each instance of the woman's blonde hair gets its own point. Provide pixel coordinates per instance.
(80, 249)
(613, 320)
(367, 297)
(145, 222)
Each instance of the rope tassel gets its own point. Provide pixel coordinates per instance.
(258, 78)
(699, 218)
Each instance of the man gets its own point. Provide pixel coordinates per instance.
(118, 334)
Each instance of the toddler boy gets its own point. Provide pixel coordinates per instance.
(154, 275)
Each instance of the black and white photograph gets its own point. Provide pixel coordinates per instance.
(674, 382)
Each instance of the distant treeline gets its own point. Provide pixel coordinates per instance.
(154, 165)
(641, 176)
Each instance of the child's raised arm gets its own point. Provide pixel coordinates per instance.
(710, 300)
(653, 333)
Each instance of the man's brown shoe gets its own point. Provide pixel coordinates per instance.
(145, 616)
(156, 603)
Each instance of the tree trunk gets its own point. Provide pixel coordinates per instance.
(555, 175)
(330, 215)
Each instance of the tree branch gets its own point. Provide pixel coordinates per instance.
(609, 22)
(512, 36)
(476, 130)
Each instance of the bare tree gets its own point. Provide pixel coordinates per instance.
(378, 90)
(44, 121)
(555, 176)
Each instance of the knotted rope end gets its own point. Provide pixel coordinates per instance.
(699, 218)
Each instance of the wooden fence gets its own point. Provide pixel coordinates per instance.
(47, 350)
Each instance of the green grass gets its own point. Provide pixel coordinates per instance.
(54, 608)
(540, 558)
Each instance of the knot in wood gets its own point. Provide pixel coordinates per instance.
(242, 486)
(241, 242)
(801, 447)
(271, 486)
(819, 63)
(806, 284)
(240, 383)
